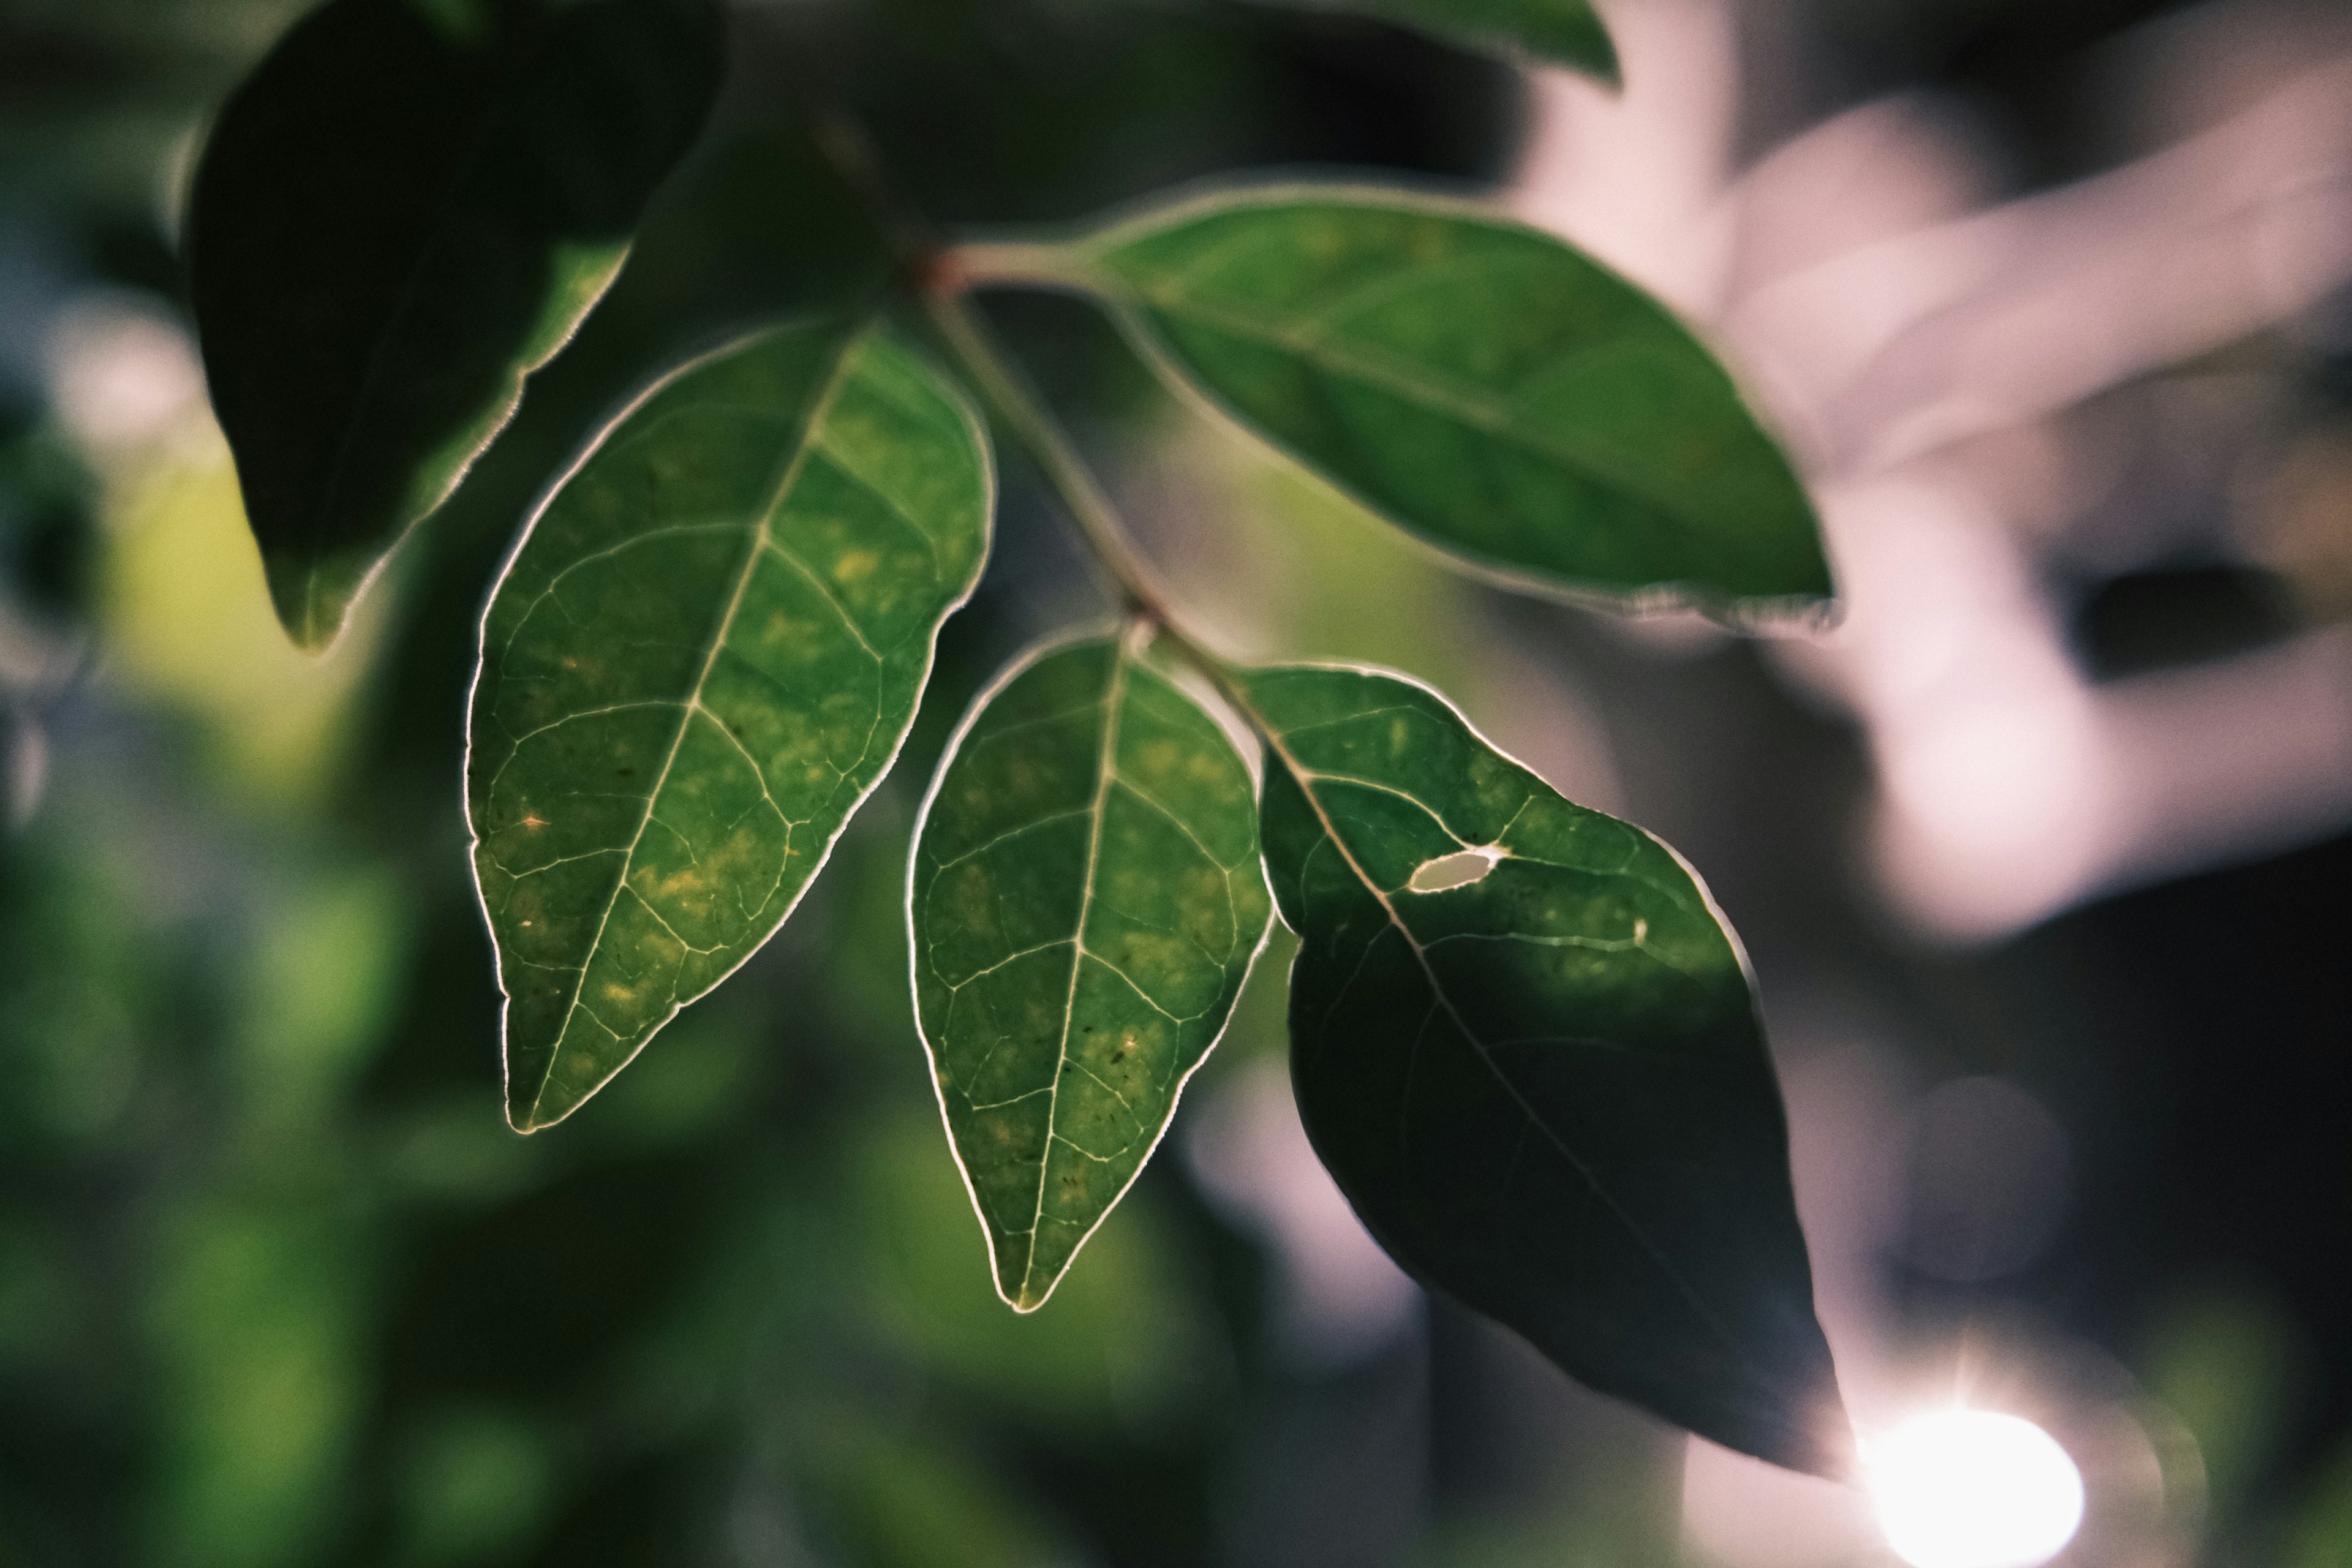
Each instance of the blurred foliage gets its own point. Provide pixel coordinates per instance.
(276, 1287)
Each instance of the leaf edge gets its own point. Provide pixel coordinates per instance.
(975, 429)
(1067, 263)
(1018, 666)
(1835, 1458)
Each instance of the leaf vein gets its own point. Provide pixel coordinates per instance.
(818, 409)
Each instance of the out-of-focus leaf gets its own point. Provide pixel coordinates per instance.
(1083, 905)
(255, 1326)
(1087, 102)
(916, 1504)
(703, 656)
(476, 1484)
(1554, 32)
(1122, 1350)
(48, 547)
(1542, 1081)
(2323, 1524)
(186, 623)
(1478, 383)
(405, 209)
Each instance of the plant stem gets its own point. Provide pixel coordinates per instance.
(1009, 393)
(940, 276)
(845, 144)
(1098, 521)
(982, 264)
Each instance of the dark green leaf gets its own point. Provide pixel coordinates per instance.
(407, 207)
(1544, 1087)
(1554, 32)
(1084, 902)
(1479, 383)
(706, 652)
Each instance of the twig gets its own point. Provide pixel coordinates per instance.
(934, 273)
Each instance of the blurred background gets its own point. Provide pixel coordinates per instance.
(2040, 852)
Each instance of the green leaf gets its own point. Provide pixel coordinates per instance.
(703, 656)
(1482, 384)
(403, 210)
(1551, 32)
(1524, 1044)
(1084, 902)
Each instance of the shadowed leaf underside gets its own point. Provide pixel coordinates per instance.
(1477, 382)
(702, 658)
(405, 209)
(1545, 1090)
(1084, 902)
(1552, 32)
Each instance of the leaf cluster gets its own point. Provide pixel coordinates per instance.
(1524, 1040)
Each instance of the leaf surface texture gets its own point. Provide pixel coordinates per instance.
(1480, 384)
(705, 654)
(1545, 1090)
(1084, 902)
(405, 209)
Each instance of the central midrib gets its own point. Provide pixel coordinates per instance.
(756, 544)
(1302, 777)
(1488, 414)
(1114, 697)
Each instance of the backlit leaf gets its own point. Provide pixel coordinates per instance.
(1084, 902)
(1482, 385)
(1542, 1081)
(405, 209)
(703, 656)
(1555, 32)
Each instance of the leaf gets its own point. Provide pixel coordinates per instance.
(1544, 1087)
(408, 206)
(1480, 384)
(703, 656)
(1554, 32)
(1084, 902)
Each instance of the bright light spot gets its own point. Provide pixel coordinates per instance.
(1970, 1488)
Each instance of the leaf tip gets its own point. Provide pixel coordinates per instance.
(313, 610)
(1825, 1445)
(1802, 1425)
(529, 1110)
(1027, 1296)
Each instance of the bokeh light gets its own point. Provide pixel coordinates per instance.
(1974, 1488)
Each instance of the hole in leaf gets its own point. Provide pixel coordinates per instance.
(1457, 870)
